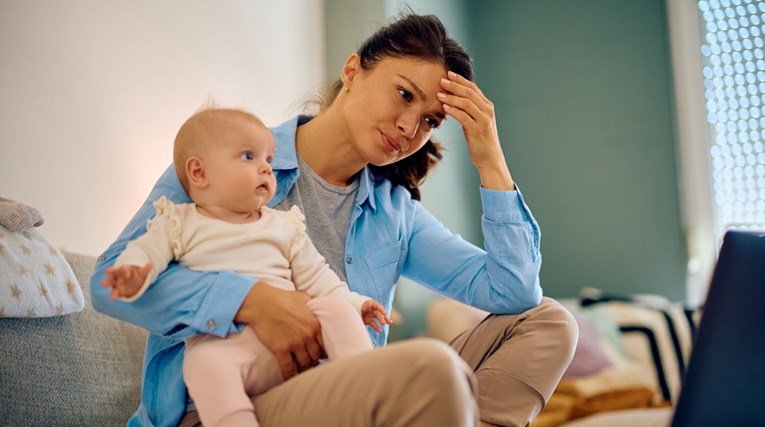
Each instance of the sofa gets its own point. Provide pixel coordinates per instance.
(77, 369)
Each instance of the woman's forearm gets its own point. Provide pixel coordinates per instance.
(496, 177)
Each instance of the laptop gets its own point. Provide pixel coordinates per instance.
(724, 384)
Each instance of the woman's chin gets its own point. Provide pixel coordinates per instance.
(383, 158)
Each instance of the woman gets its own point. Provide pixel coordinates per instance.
(354, 170)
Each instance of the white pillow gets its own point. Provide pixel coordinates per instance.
(35, 279)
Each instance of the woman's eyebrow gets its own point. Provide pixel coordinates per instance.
(439, 114)
(414, 86)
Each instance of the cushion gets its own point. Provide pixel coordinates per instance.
(36, 281)
(619, 387)
(624, 376)
(589, 356)
(607, 328)
(658, 417)
(645, 314)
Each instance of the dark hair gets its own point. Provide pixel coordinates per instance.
(416, 36)
(419, 37)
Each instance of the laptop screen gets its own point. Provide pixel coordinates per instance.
(724, 384)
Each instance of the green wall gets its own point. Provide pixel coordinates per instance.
(582, 92)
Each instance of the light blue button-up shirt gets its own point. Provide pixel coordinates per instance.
(390, 235)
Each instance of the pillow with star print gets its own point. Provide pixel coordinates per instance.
(35, 279)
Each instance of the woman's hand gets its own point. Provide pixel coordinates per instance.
(463, 100)
(285, 325)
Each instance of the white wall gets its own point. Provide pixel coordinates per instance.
(92, 93)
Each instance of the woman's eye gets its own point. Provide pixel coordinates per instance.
(432, 123)
(405, 94)
(247, 156)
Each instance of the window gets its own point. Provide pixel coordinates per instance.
(719, 79)
(733, 58)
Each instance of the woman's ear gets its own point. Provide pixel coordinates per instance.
(350, 70)
(195, 171)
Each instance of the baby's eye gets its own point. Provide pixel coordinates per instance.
(269, 159)
(405, 94)
(432, 123)
(247, 156)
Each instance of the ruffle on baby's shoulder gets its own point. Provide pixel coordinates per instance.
(297, 219)
(169, 216)
(163, 206)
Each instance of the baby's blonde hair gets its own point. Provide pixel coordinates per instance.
(200, 131)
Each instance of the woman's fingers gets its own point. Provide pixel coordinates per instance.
(465, 88)
(302, 359)
(286, 364)
(460, 108)
(284, 324)
(454, 77)
(314, 350)
(478, 126)
(467, 98)
(464, 100)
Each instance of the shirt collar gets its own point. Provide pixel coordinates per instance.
(285, 157)
(366, 186)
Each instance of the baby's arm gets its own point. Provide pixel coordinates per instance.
(143, 259)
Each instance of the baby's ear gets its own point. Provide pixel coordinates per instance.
(196, 172)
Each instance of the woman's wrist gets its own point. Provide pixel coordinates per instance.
(246, 313)
(496, 177)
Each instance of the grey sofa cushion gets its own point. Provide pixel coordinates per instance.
(81, 369)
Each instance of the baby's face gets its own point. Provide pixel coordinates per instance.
(239, 167)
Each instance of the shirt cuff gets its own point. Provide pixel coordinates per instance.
(219, 307)
(504, 206)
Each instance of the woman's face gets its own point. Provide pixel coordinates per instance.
(392, 109)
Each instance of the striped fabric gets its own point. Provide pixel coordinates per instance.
(17, 216)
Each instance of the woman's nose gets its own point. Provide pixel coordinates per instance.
(408, 126)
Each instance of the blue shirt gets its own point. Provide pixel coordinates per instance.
(390, 235)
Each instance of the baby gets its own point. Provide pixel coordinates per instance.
(223, 160)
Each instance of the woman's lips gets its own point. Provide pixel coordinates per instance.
(389, 144)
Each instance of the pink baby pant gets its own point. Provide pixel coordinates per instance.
(222, 374)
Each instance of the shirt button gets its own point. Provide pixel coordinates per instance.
(101, 258)
(349, 260)
(211, 324)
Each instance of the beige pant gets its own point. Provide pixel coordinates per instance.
(517, 361)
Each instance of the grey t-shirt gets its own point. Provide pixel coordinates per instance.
(327, 209)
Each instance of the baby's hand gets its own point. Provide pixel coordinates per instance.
(125, 281)
(373, 314)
